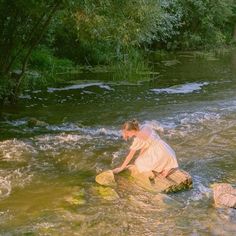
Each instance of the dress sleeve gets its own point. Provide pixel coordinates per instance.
(138, 144)
(147, 130)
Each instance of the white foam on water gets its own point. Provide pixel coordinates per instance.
(228, 106)
(20, 177)
(81, 86)
(185, 123)
(154, 124)
(5, 188)
(198, 117)
(64, 127)
(17, 122)
(182, 88)
(91, 131)
(15, 150)
(52, 144)
(200, 191)
(9, 179)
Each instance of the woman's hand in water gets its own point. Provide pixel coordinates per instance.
(117, 170)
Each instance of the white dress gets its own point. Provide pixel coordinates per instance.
(158, 155)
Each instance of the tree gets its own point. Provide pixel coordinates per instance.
(120, 25)
(23, 24)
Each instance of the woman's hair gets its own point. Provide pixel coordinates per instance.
(131, 125)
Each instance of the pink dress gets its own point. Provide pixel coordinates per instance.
(158, 155)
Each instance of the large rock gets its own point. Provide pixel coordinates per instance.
(106, 178)
(175, 181)
(224, 195)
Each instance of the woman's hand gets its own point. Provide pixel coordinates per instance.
(125, 163)
(117, 170)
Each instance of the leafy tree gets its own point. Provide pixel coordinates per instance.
(196, 23)
(23, 24)
(117, 24)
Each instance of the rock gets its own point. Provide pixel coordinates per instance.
(224, 195)
(32, 122)
(76, 198)
(106, 178)
(141, 179)
(106, 193)
(175, 181)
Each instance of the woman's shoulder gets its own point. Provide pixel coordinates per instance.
(149, 131)
(146, 128)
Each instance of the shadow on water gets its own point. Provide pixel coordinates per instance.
(47, 171)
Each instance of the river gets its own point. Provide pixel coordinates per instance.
(192, 104)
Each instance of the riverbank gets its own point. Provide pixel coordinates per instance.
(56, 72)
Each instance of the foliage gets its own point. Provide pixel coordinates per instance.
(117, 25)
(49, 35)
(23, 24)
(133, 67)
(45, 67)
(198, 24)
(43, 59)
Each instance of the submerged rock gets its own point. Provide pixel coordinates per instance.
(106, 193)
(141, 179)
(106, 178)
(77, 197)
(32, 122)
(224, 195)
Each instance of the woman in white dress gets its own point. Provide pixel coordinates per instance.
(155, 154)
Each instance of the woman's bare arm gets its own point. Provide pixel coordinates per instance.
(126, 162)
(142, 151)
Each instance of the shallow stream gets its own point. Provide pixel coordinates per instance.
(47, 172)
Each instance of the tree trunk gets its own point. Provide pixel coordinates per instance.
(35, 40)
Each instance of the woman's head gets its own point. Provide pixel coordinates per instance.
(130, 128)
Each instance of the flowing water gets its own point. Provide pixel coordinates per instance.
(47, 172)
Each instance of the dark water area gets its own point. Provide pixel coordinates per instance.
(47, 172)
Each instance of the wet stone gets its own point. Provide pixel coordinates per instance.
(224, 195)
(178, 180)
(106, 178)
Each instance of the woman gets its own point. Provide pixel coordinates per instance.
(155, 154)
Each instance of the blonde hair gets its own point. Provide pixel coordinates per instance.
(131, 125)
